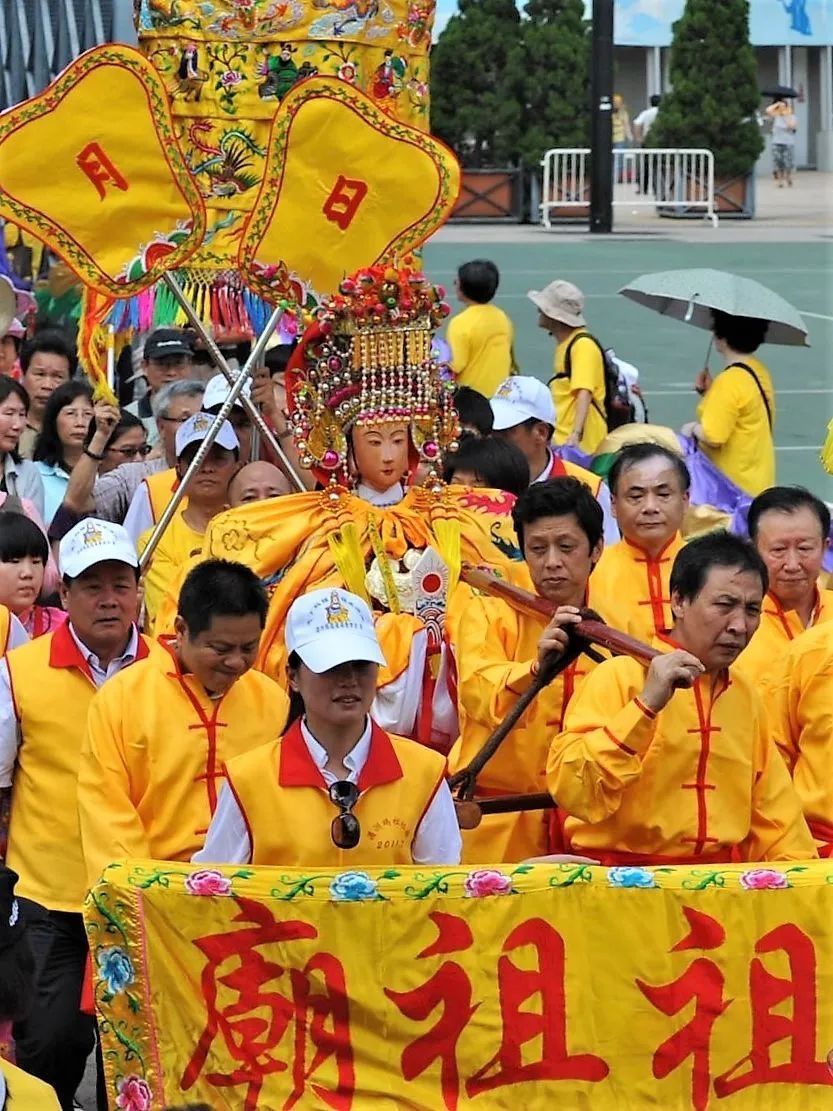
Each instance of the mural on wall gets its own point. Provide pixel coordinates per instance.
(771, 22)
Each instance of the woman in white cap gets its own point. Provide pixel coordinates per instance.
(335, 789)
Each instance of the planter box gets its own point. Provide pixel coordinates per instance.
(734, 199)
(493, 194)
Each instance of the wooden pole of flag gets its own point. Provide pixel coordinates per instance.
(204, 448)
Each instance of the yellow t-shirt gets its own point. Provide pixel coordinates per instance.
(481, 347)
(734, 419)
(586, 373)
(175, 550)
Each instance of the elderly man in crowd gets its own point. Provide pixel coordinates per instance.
(45, 689)
(789, 526)
(630, 587)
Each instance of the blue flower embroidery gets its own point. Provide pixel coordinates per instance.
(353, 887)
(116, 969)
(630, 877)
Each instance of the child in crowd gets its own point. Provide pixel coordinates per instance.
(481, 335)
(24, 554)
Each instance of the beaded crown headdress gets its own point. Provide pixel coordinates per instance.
(368, 359)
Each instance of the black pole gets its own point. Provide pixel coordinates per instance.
(601, 90)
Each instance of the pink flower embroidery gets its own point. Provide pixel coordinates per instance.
(134, 1094)
(207, 882)
(487, 881)
(347, 72)
(758, 879)
(230, 77)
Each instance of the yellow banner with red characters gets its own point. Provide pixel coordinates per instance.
(515, 987)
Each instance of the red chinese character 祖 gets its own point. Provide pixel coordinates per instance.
(548, 1022)
(94, 163)
(343, 202)
(246, 1009)
(797, 1029)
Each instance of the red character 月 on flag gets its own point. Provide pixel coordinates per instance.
(248, 1012)
(95, 165)
(343, 202)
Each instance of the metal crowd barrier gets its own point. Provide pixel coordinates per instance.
(678, 181)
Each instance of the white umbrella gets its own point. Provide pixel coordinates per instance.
(690, 295)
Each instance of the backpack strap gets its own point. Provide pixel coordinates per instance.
(567, 372)
(749, 370)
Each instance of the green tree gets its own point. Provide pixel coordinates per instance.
(550, 67)
(474, 107)
(714, 94)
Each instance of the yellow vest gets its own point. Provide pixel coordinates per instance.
(160, 488)
(5, 629)
(52, 689)
(631, 591)
(284, 801)
(153, 758)
(25, 1092)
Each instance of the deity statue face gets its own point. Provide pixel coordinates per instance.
(380, 453)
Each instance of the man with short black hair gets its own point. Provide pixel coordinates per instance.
(524, 414)
(45, 689)
(790, 528)
(481, 335)
(630, 588)
(674, 763)
(498, 649)
(47, 360)
(155, 748)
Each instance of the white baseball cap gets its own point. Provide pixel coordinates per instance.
(217, 390)
(92, 541)
(195, 429)
(518, 399)
(331, 627)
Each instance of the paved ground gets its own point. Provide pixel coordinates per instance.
(789, 247)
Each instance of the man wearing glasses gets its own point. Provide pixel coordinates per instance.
(335, 789)
(167, 357)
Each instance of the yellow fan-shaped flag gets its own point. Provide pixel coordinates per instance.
(345, 186)
(91, 166)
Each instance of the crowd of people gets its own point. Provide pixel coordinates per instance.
(293, 676)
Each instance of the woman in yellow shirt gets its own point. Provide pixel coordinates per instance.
(736, 418)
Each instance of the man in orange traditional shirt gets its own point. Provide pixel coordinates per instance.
(789, 526)
(630, 587)
(498, 649)
(675, 763)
